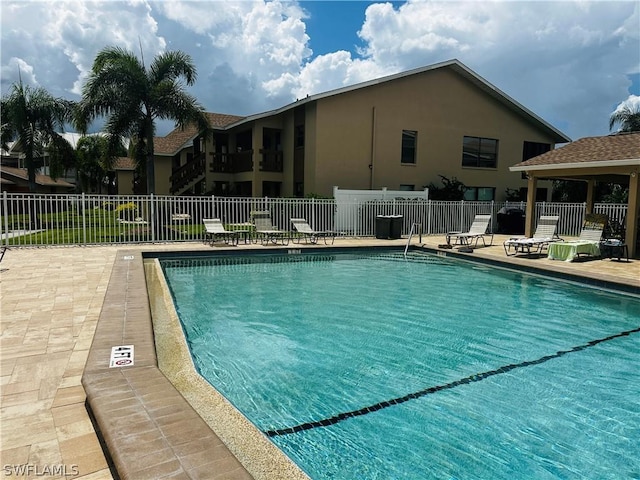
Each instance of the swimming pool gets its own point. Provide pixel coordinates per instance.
(376, 367)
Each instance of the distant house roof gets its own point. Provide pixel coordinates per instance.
(124, 163)
(42, 180)
(620, 149)
(178, 138)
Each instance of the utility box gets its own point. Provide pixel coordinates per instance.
(395, 229)
(383, 227)
(389, 227)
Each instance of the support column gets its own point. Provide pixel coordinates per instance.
(530, 212)
(591, 184)
(633, 212)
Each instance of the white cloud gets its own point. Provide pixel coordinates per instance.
(81, 29)
(21, 69)
(568, 61)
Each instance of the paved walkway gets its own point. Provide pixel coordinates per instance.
(51, 299)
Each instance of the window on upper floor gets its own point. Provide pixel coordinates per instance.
(533, 149)
(479, 152)
(405, 187)
(409, 139)
(299, 136)
(480, 194)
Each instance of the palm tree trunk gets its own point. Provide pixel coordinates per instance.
(151, 176)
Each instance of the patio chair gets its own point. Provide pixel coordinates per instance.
(588, 243)
(545, 233)
(310, 235)
(214, 230)
(266, 231)
(477, 232)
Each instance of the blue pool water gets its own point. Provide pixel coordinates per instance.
(373, 366)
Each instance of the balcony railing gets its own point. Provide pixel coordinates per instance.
(272, 161)
(232, 162)
(188, 173)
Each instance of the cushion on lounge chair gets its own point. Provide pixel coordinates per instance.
(588, 242)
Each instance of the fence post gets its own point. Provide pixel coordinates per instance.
(493, 217)
(5, 209)
(84, 222)
(152, 206)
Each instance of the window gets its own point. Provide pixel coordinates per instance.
(479, 152)
(479, 194)
(299, 136)
(409, 146)
(407, 188)
(533, 149)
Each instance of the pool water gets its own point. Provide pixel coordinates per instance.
(373, 366)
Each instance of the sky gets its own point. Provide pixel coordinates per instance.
(571, 62)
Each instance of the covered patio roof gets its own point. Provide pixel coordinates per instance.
(612, 158)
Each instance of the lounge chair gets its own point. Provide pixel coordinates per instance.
(214, 230)
(545, 233)
(588, 242)
(310, 235)
(266, 231)
(477, 232)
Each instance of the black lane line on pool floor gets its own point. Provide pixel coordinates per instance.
(412, 396)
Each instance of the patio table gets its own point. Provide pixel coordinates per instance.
(244, 229)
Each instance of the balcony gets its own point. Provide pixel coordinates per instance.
(232, 162)
(271, 161)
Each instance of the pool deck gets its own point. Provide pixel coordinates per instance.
(63, 308)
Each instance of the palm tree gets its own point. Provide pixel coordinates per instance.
(628, 117)
(31, 116)
(131, 98)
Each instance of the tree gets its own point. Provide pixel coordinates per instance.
(627, 116)
(451, 190)
(131, 98)
(32, 117)
(94, 163)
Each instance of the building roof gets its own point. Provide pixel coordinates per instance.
(180, 137)
(620, 149)
(43, 180)
(454, 65)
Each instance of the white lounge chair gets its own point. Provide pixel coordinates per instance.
(214, 230)
(266, 231)
(588, 242)
(545, 233)
(310, 235)
(477, 232)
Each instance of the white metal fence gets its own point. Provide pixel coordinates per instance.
(35, 220)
